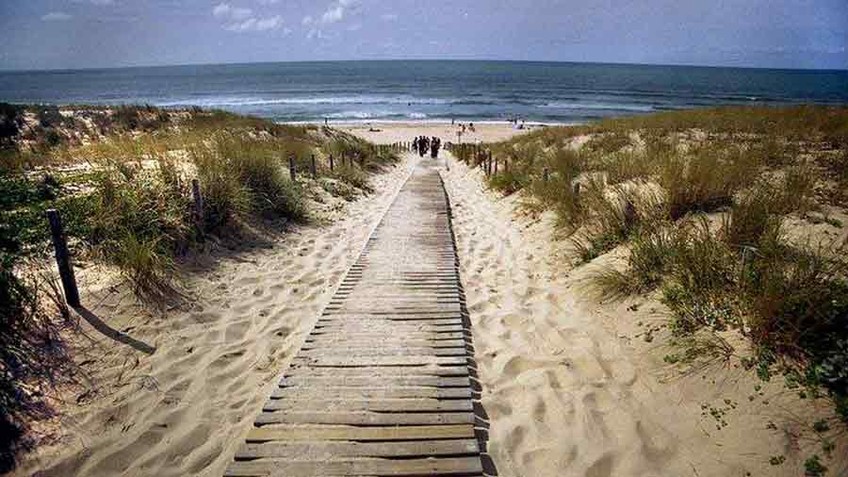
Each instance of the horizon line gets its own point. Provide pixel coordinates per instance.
(388, 60)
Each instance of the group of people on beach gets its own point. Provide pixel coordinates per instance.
(422, 144)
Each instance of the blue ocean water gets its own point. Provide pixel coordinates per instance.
(429, 90)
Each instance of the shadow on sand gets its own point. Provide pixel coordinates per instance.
(112, 333)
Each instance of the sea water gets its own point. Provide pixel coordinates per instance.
(428, 90)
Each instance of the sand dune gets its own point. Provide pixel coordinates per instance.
(569, 385)
(570, 389)
(184, 409)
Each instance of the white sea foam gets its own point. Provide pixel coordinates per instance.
(597, 106)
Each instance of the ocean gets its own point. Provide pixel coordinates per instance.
(428, 90)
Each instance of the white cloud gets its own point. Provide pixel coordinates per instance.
(268, 2)
(229, 12)
(333, 14)
(389, 17)
(56, 17)
(241, 19)
(336, 12)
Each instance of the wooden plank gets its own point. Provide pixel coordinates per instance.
(379, 467)
(382, 371)
(326, 335)
(348, 361)
(282, 432)
(353, 344)
(424, 327)
(339, 449)
(387, 351)
(388, 309)
(374, 393)
(363, 418)
(328, 382)
(388, 313)
(376, 405)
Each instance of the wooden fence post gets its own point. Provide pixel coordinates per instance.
(313, 169)
(545, 174)
(63, 259)
(488, 159)
(292, 168)
(331, 163)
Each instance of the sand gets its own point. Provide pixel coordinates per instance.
(570, 386)
(389, 132)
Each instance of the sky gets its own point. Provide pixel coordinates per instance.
(68, 34)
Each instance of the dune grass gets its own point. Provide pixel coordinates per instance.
(699, 198)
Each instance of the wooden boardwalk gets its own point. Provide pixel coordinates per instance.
(382, 384)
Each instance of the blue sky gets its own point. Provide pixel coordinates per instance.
(50, 34)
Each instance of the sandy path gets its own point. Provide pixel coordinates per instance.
(569, 393)
(185, 409)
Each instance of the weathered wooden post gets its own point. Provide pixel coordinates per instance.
(63, 259)
(292, 169)
(495, 171)
(313, 169)
(197, 198)
(488, 160)
(545, 174)
(331, 163)
(506, 165)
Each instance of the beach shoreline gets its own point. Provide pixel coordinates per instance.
(387, 132)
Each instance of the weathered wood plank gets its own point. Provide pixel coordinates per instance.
(338, 449)
(348, 361)
(364, 418)
(328, 382)
(376, 405)
(355, 344)
(387, 351)
(381, 467)
(374, 393)
(353, 433)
